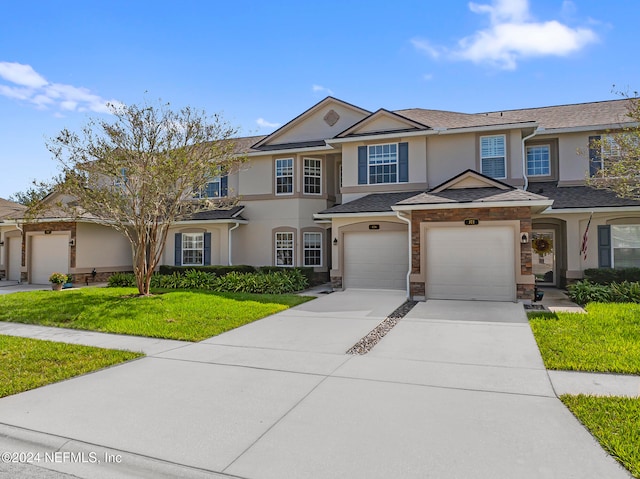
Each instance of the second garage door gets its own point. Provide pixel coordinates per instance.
(49, 254)
(375, 259)
(471, 263)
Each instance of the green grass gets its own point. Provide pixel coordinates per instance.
(172, 314)
(615, 422)
(30, 363)
(606, 339)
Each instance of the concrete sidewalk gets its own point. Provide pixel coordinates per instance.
(454, 390)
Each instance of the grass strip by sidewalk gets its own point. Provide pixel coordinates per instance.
(30, 363)
(614, 422)
(606, 339)
(171, 314)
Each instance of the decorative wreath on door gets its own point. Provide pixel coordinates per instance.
(542, 245)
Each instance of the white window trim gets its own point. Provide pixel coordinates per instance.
(369, 165)
(527, 159)
(505, 155)
(293, 249)
(202, 193)
(191, 249)
(305, 249)
(613, 256)
(304, 176)
(292, 176)
(609, 148)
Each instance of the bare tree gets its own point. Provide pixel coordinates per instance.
(137, 172)
(616, 156)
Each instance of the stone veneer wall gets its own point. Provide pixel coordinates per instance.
(523, 214)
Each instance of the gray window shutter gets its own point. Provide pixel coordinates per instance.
(178, 250)
(595, 160)
(403, 162)
(224, 186)
(207, 249)
(362, 166)
(604, 246)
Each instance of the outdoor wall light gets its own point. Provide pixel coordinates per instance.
(72, 242)
(335, 241)
(1, 243)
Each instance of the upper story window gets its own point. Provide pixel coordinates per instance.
(312, 249)
(121, 179)
(192, 249)
(383, 163)
(284, 249)
(284, 176)
(312, 176)
(493, 156)
(538, 160)
(215, 188)
(609, 147)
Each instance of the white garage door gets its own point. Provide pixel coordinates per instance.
(471, 263)
(375, 260)
(15, 258)
(49, 254)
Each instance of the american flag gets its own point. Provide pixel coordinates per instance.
(585, 239)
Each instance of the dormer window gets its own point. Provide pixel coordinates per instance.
(493, 156)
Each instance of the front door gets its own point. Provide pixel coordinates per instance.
(544, 256)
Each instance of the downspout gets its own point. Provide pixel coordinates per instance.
(524, 157)
(230, 230)
(408, 221)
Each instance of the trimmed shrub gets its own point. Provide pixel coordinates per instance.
(610, 275)
(307, 271)
(278, 282)
(216, 270)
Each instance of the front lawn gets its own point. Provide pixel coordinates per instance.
(615, 422)
(30, 363)
(606, 339)
(171, 314)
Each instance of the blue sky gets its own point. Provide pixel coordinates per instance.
(262, 63)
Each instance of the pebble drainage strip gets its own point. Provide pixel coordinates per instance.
(367, 343)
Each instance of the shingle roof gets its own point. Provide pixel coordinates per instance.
(451, 119)
(579, 196)
(576, 115)
(10, 210)
(467, 195)
(373, 203)
(218, 214)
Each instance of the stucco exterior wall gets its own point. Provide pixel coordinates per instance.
(573, 152)
(253, 242)
(101, 247)
(219, 241)
(450, 155)
(314, 127)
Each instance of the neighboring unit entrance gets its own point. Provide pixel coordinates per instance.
(376, 259)
(15, 258)
(471, 262)
(49, 254)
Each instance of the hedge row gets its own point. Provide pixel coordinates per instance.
(277, 282)
(312, 278)
(610, 275)
(584, 292)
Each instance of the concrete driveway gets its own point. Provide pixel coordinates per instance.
(455, 390)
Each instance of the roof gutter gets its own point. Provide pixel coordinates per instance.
(474, 204)
(408, 221)
(322, 216)
(434, 131)
(580, 129)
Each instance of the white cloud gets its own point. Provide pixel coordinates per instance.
(30, 86)
(21, 75)
(427, 76)
(320, 88)
(512, 36)
(262, 123)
